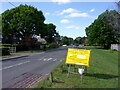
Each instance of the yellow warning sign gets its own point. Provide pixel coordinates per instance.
(78, 56)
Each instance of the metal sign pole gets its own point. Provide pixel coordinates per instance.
(81, 78)
(69, 69)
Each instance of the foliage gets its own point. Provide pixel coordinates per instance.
(21, 47)
(22, 21)
(100, 32)
(80, 40)
(5, 51)
(67, 40)
(53, 45)
(50, 32)
(111, 18)
(20, 24)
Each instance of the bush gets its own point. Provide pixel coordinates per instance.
(20, 47)
(6, 45)
(52, 45)
(5, 51)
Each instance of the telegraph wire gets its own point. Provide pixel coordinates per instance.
(11, 3)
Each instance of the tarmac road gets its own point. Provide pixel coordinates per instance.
(25, 72)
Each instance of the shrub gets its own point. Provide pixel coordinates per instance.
(20, 47)
(52, 45)
(5, 51)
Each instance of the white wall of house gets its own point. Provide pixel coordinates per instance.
(115, 46)
(41, 40)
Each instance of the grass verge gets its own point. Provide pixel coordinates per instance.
(35, 51)
(102, 73)
(30, 51)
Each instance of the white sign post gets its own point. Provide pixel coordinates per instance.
(81, 71)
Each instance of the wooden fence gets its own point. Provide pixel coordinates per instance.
(12, 49)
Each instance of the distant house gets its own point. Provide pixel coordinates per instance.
(115, 46)
(41, 40)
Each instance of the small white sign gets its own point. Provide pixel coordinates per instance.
(81, 71)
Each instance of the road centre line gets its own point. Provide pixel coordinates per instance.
(45, 59)
(49, 59)
(42, 58)
(15, 65)
(54, 59)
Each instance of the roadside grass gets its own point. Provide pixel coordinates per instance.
(34, 51)
(102, 73)
(30, 51)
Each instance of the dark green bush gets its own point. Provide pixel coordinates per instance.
(52, 45)
(20, 47)
(5, 51)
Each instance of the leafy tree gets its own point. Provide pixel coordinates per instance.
(21, 22)
(67, 40)
(78, 40)
(50, 32)
(111, 18)
(102, 31)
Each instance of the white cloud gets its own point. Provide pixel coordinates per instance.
(74, 13)
(78, 15)
(64, 21)
(61, 1)
(47, 13)
(72, 27)
(92, 10)
(69, 10)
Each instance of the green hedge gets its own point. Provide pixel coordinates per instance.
(5, 51)
(19, 47)
(53, 45)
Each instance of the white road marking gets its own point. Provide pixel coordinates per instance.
(40, 59)
(15, 65)
(49, 59)
(54, 59)
(45, 59)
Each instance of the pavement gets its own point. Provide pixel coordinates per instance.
(27, 71)
(18, 55)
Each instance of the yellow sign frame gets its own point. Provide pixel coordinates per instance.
(78, 56)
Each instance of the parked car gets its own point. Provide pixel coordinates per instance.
(64, 45)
